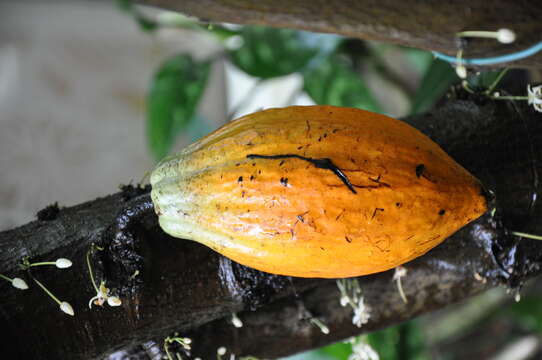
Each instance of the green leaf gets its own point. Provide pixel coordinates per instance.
(145, 24)
(175, 92)
(339, 351)
(399, 342)
(483, 80)
(528, 312)
(309, 355)
(267, 52)
(125, 5)
(435, 82)
(419, 58)
(334, 82)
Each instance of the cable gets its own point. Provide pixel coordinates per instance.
(492, 60)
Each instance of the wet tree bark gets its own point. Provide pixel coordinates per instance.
(428, 25)
(187, 288)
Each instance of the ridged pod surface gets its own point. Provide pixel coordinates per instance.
(315, 191)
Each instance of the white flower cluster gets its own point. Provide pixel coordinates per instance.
(236, 321)
(102, 295)
(351, 295)
(183, 341)
(534, 97)
(361, 350)
(18, 283)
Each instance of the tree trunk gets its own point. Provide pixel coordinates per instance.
(188, 288)
(429, 25)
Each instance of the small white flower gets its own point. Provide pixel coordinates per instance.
(102, 296)
(400, 271)
(362, 351)
(320, 325)
(186, 344)
(19, 283)
(506, 36)
(221, 351)
(63, 263)
(534, 97)
(461, 71)
(325, 330)
(114, 301)
(67, 308)
(236, 321)
(351, 295)
(361, 313)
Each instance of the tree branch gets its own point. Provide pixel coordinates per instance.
(188, 288)
(429, 25)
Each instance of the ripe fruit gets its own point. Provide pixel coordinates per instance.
(315, 191)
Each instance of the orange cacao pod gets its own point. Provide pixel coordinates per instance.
(315, 191)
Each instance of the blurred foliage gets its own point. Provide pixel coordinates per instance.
(528, 313)
(334, 82)
(267, 53)
(436, 80)
(401, 342)
(173, 97)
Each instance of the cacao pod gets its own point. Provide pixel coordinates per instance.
(315, 191)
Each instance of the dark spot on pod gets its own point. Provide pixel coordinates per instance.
(281, 163)
(322, 248)
(325, 135)
(324, 163)
(243, 194)
(442, 212)
(334, 131)
(240, 179)
(237, 164)
(259, 171)
(253, 164)
(348, 239)
(251, 177)
(419, 170)
(375, 212)
(284, 181)
(398, 204)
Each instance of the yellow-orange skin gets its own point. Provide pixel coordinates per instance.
(410, 194)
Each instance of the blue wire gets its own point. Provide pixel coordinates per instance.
(492, 60)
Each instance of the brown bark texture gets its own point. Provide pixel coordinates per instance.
(187, 288)
(429, 25)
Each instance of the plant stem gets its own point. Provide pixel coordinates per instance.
(47, 291)
(43, 263)
(526, 235)
(497, 81)
(6, 278)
